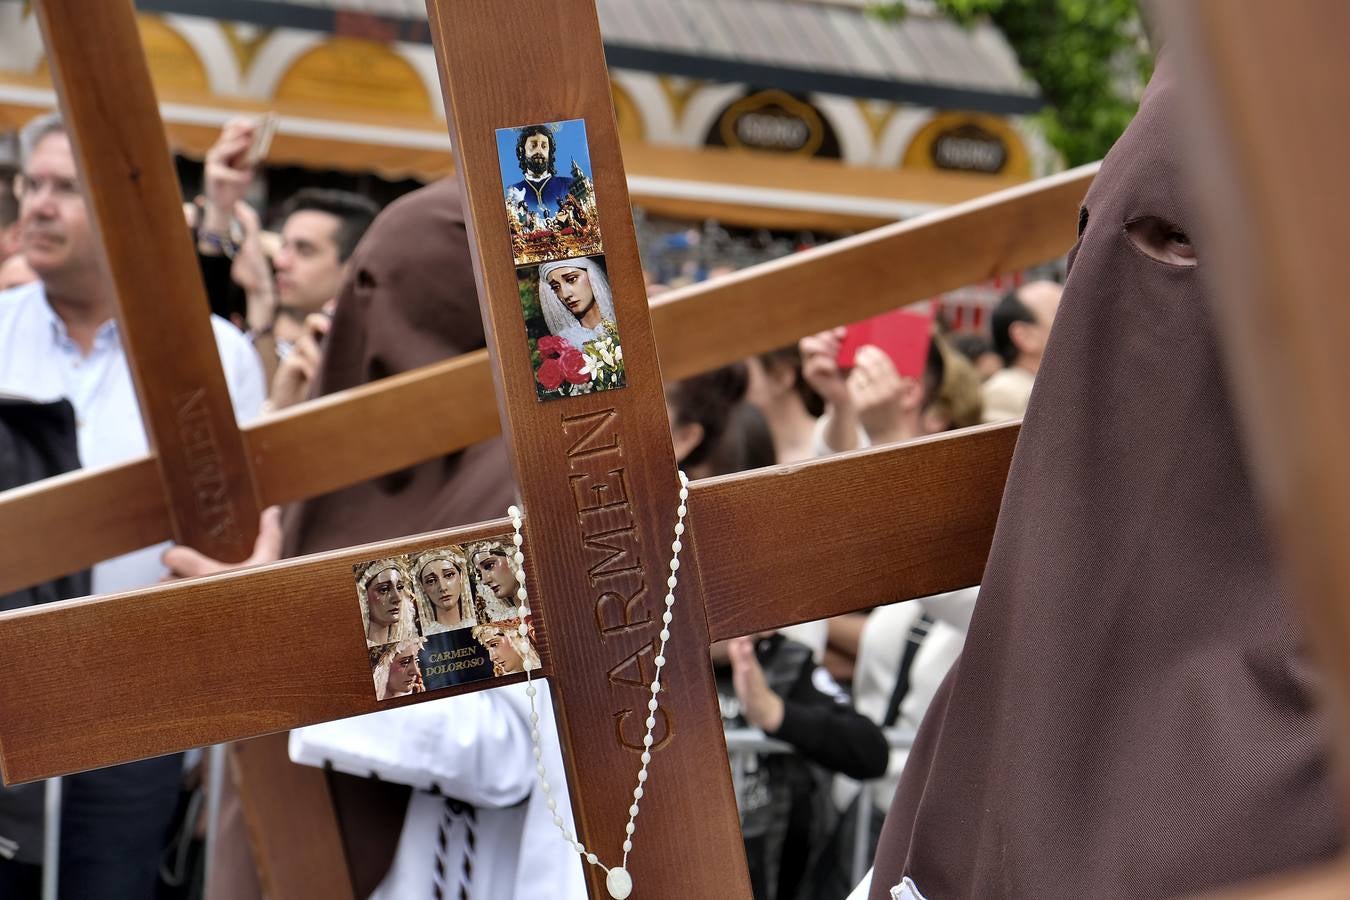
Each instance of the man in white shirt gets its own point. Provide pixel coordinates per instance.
(1021, 326)
(59, 338)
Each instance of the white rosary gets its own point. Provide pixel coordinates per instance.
(617, 880)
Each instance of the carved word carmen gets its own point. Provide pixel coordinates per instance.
(609, 540)
(210, 489)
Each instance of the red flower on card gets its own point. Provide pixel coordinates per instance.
(551, 346)
(572, 363)
(550, 374)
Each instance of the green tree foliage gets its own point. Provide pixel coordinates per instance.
(1088, 56)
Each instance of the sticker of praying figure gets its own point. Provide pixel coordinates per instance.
(550, 214)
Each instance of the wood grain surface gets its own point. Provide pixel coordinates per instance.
(757, 309)
(201, 662)
(1275, 190)
(798, 543)
(101, 77)
(597, 476)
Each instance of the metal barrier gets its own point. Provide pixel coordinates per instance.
(745, 742)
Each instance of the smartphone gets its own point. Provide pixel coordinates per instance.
(263, 133)
(903, 335)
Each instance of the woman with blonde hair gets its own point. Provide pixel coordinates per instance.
(395, 670)
(386, 607)
(441, 583)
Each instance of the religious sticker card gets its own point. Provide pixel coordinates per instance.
(570, 327)
(549, 195)
(443, 617)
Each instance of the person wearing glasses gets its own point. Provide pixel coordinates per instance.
(59, 338)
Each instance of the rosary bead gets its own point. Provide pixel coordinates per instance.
(679, 528)
(676, 547)
(665, 635)
(592, 859)
(681, 511)
(557, 820)
(513, 511)
(637, 793)
(521, 594)
(519, 558)
(630, 828)
(656, 687)
(671, 582)
(627, 846)
(684, 493)
(642, 775)
(619, 883)
(652, 704)
(646, 758)
(530, 692)
(667, 617)
(552, 804)
(651, 723)
(660, 661)
(633, 810)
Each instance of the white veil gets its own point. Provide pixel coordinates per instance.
(556, 313)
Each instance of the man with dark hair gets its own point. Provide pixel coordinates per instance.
(542, 189)
(1021, 326)
(320, 228)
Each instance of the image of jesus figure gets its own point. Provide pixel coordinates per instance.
(542, 189)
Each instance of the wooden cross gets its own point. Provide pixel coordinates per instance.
(596, 477)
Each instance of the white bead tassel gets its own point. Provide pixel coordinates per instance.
(617, 881)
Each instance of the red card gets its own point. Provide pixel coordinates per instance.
(904, 335)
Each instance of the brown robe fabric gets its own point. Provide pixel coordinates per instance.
(408, 300)
(1133, 715)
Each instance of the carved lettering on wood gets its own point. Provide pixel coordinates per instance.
(599, 486)
(210, 489)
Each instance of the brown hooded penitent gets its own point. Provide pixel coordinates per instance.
(1133, 715)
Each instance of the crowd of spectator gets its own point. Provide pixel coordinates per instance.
(280, 300)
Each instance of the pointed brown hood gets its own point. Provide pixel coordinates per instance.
(1133, 713)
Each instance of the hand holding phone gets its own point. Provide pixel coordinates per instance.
(903, 335)
(263, 132)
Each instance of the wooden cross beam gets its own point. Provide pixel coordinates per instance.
(122, 508)
(598, 478)
(213, 702)
(118, 141)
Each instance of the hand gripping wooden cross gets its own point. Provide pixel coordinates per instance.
(595, 472)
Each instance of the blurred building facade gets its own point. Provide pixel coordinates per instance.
(750, 127)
